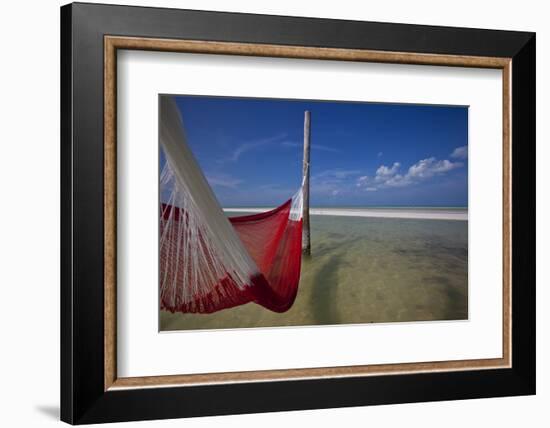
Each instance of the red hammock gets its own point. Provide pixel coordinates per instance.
(272, 239)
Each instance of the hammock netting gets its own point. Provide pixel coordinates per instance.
(208, 261)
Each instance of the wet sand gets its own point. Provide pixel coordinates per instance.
(364, 270)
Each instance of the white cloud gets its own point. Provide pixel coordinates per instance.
(246, 147)
(390, 177)
(398, 180)
(362, 181)
(223, 180)
(383, 173)
(460, 153)
(429, 167)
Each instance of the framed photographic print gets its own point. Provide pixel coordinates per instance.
(320, 213)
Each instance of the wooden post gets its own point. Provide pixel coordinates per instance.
(306, 243)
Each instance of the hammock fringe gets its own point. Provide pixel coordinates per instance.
(209, 262)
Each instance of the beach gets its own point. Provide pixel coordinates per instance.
(428, 213)
(368, 265)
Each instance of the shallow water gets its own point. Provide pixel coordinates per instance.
(365, 270)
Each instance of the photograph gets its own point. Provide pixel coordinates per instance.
(282, 212)
(341, 201)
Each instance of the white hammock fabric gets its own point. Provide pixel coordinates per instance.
(204, 264)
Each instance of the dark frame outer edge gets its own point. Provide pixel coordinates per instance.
(83, 399)
(524, 213)
(66, 316)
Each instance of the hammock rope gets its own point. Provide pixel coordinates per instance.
(208, 261)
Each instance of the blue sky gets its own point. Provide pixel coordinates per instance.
(362, 153)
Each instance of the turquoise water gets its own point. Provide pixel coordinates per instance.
(365, 270)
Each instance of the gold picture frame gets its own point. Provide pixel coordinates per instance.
(114, 43)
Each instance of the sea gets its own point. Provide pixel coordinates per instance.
(365, 270)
